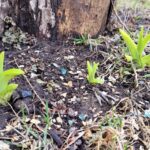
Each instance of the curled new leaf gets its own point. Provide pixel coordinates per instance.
(92, 68)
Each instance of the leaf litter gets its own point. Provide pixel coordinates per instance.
(69, 113)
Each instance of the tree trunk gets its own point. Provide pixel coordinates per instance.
(57, 18)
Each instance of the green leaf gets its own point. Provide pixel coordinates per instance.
(89, 69)
(6, 76)
(130, 44)
(140, 42)
(146, 60)
(10, 88)
(92, 68)
(13, 72)
(1, 61)
(128, 58)
(143, 41)
(4, 82)
(146, 40)
(7, 89)
(99, 80)
(95, 67)
(6, 94)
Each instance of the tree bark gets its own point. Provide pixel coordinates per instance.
(57, 18)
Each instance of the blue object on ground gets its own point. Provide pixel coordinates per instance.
(63, 71)
(82, 117)
(25, 93)
(147, 113)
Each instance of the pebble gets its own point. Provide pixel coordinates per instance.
(73, 99)
(41, 82)
(58, 126)
(72, 129)
(25, 93)
(78, 142)
(33, 75)
(72, 113)
(4, 146)
(54, 120)
(59, 120)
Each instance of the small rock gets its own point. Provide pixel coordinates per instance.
(25, 93)
(64, 94)
(33, 75)
(59, 120)
(69, 84)
(34, 68)
(73, 99)
(41, 82)
(35, 121)
(55, 65)
(72, 113)
(109, 83)
(58, 126)
(54, 120)
(78, 142)
(4, 146)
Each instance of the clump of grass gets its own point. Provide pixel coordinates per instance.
(82, 40)
(87, 40)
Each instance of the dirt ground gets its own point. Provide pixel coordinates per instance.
(55, 107)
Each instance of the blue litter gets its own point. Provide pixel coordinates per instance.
(147, 113)
(82, 117)
(63, 71)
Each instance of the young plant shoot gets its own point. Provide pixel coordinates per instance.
(7, 89)
(83, 40)
(136, 51)
(92, 68)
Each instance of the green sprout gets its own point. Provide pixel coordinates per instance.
(92, 68)
(47, 117)
(7, 89)
(87, 40)
(83, 40)
(137, 50)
